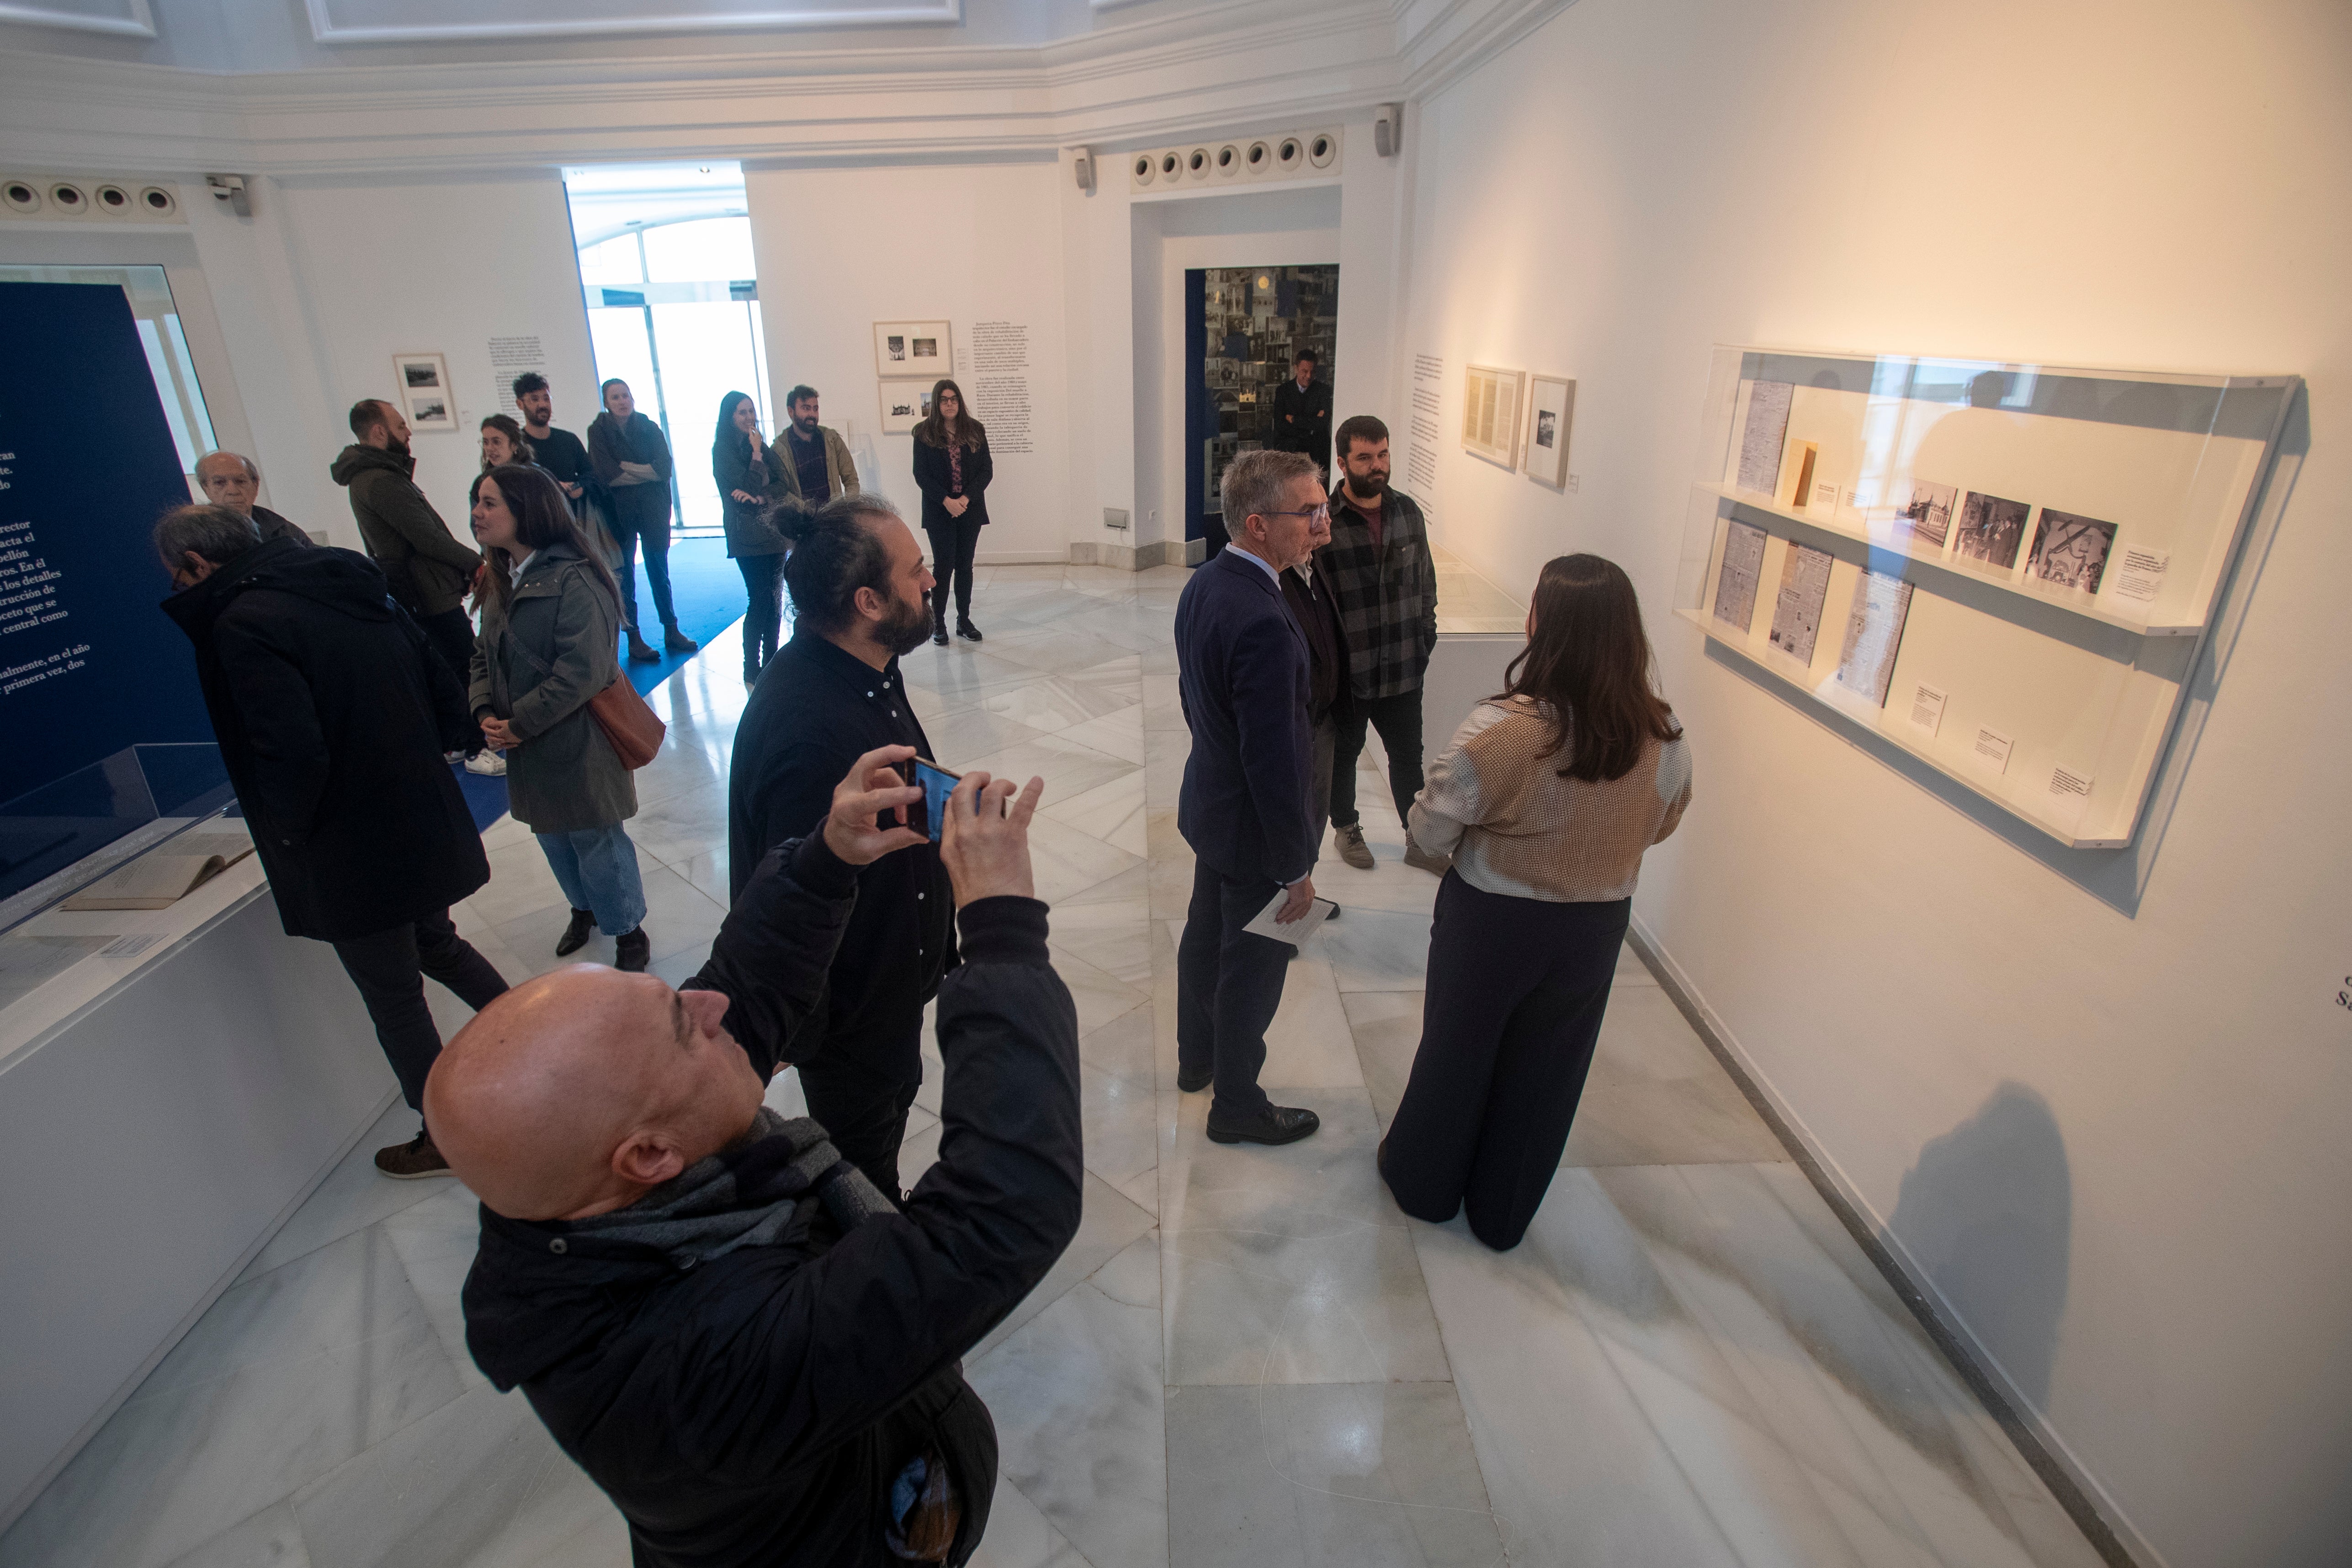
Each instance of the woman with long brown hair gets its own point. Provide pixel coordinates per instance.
(1545, 800)
(952, 469)
(550, 642)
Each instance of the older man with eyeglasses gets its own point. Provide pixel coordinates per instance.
(1245, 807)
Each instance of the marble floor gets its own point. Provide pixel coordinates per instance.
(1248, 1356)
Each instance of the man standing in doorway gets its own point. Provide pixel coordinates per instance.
(1378, 566)
(1302, 412)
(558, 451)
(234, 481)
(808, 464)
(428, 570)
(632, 462)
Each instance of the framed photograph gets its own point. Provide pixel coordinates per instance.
(424, 394)
(1490, 413)
(1551, 410)
(2071, 551)
(904, 404)
(909, 349)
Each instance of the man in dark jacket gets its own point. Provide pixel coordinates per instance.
(632, 461)
(747, 1346)
(1302, 412)
(1242, 678)
(332, 714)
(558, 451)
(1379, 566)
(429, 571)
(860, 594)
(234, 481)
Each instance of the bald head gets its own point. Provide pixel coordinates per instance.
(576, 1092)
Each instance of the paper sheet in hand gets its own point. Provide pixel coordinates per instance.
(1297, 933)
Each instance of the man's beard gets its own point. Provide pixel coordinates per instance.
(1369, 486)
(396, 446)
(908, 628)
(807, 427)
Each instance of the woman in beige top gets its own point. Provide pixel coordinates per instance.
(1545, 800)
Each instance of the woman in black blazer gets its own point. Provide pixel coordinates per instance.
(739, 467)
(952, 469)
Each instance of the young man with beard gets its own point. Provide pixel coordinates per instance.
(428, 568)
(861, 598)
(560, 452)
(1378, 566)
(808, 463)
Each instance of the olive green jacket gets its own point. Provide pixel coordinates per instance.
(784, 475)
(542, 654)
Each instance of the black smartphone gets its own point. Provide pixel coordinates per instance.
(928, 814)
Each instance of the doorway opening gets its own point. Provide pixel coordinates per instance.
(1245, 327)
(673, 297)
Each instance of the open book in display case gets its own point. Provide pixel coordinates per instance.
(2007, 570)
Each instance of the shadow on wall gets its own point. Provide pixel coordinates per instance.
(1986, 1213)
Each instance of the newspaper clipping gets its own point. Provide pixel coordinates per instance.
(1873, 634)
(1767, 432)
(1734, 583)
(1804, 591)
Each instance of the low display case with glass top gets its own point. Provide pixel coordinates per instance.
(2006, 570)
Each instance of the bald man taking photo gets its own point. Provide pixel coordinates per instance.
(738, 1336)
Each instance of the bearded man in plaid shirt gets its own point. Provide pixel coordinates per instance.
(1379, 567)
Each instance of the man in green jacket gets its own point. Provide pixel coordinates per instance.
(808, 464)
(429, 571)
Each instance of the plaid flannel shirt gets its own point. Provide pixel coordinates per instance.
(1388, 595)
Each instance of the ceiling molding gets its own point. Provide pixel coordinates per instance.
(1233, 69)
(327, 30)
(122, 20)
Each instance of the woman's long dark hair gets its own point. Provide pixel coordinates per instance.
(1589, 660)
(542, 517)
(967, 432)
(726, 431)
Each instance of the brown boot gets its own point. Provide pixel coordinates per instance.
(676, 641)
(411, 1161)
(1352, 848)
(640, 649)
(1421, 859)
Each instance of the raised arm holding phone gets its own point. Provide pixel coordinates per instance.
(745, 1343)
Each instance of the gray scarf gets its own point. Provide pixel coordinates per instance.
(760, 1190)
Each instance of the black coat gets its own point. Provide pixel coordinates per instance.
(273, 527)
(332, 714)
(753, 1410)
(933, 478)
(1302, 418)
(817, 709)
(1242, 678)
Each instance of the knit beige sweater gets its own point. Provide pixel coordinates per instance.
(1515, 826)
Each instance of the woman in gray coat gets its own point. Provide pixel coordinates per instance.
(551, 624)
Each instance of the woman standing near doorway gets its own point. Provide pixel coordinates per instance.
(551, 621)
(1547, 799)
(739, 463)
(952, 469)
(631, 457)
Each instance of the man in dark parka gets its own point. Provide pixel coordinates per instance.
(333, 714)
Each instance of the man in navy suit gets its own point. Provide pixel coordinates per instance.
(1241, 673)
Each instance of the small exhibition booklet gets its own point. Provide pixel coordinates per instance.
(1297, 933)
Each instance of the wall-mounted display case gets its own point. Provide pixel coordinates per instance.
(2007, 570)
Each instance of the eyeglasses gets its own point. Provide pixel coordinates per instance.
(1315, 514)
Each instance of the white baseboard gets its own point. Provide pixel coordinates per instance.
(1127, 557)
(2091, 1506)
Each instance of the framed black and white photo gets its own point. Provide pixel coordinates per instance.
(1551, 410)
(909, 349)
(425, 395)
(2072, 552)
(904, 404)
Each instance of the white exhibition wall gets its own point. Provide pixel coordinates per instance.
(2115, 1143)
(841, 250)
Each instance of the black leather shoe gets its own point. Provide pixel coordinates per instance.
(1334, 914)
(1274, 1124)
(965, 629)
(631, 950)
(575, 935)
(1193, 1083)
(939, 632)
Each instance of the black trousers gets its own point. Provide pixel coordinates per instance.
(952, 546)
(860, 1095)
(764, 589)
(1228, 985)
(389, 968)
(451, 635)
(1398, 719)
(641, 513)
(1516, 991)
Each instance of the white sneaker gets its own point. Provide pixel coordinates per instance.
(490, 764)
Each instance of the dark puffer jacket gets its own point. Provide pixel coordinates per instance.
(754, 1410)
(332, 714)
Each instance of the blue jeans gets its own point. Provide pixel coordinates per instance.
(597, 869)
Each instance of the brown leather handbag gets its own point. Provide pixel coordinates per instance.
(632, 727)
